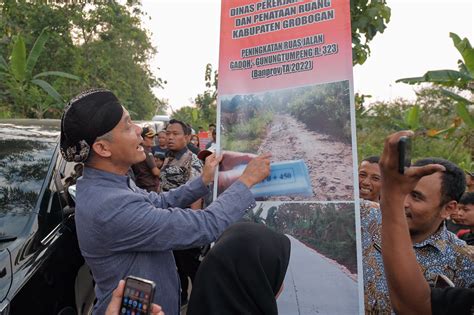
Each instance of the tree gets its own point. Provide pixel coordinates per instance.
(207, 102)
(454, 84)
(435, 110)
(102, 42)
(204, 111)
(368, 17)
(23, 89)
(116, 50)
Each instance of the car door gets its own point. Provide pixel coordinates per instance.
(5, 278)
(46, 264)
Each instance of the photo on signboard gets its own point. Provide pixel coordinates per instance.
(308, 132)
(323, 262)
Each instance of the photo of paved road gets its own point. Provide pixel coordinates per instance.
(315, 284)
(329, 161)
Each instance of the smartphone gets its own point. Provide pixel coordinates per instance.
(404, 154)
(137, 296)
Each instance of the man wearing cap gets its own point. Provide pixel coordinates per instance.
(124, 230)
(147, 174)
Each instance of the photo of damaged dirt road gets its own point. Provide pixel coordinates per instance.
(311, 124)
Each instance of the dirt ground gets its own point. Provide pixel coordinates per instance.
(329, 162)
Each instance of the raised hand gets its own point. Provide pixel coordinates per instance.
(257, 170)
(209, 169)
(393, 182)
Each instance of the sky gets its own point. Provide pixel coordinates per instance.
(186, 34)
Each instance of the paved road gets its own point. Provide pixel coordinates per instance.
(316, 285)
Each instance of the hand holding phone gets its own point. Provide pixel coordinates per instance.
(137, 296)
(404, 154)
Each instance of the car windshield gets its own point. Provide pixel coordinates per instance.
(25, 154)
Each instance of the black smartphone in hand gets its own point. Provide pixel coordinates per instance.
(404, 154)
(137, 296)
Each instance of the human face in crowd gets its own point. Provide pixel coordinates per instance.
(423, 208)
(465, 214)
(148, 142)
(455, 216)
(470, 182)
(369, 181)
(195, 140)
(162, 139)
(125, 147)
(177, 140)
(158, 162)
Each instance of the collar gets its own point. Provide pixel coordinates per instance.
(112, 179)
(439, 240)
(177, 154)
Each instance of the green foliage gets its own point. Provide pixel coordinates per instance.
(205, 111)
(411, 119)
(255, 215)
(207, 102)
(328, 228)
(324, 108)
(190, 115)
(244, 119)
(368, 17)
(22, 97)
(435, 111)
(466, 51)
(462, 127)
(103, 43)
(246, 136)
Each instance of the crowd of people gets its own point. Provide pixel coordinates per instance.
(143, 209)
(416, 226)
(156, 232)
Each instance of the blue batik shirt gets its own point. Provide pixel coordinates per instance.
(441, 253)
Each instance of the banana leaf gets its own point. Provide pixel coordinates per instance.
(456, 97)
(48, 89)
(36, 51)
(444, 77)
(463, 112)
(466, 51)
(3, 64)
(18, 59)
(58, 74)
(412, 117)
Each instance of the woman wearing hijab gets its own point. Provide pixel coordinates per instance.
(242, 274)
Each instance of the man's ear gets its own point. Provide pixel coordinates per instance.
(102, 148)
(449, 208)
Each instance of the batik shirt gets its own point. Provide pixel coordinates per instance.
(441, 253)
(179, 168)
